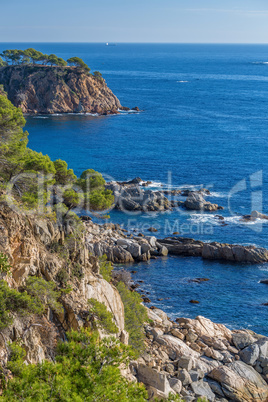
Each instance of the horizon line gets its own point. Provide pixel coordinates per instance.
(143, 43)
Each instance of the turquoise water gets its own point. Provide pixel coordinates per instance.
(204, 122)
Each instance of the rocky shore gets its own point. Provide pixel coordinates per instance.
(121, 247)
(191, 358)
(198, 358)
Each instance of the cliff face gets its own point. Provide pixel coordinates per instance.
(46, 90)
(28, 242)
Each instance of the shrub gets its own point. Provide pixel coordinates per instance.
(104, 317)
(77, 271)
(135, 316)
(12, 301)
(4, 264)
(16, 358)
(62, 276)
(106, 268)
(45, 292)
(86, 369)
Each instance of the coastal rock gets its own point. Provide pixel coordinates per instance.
(196, 201)
(242, 339)
(133, 197)
(176, 347)
(258, 215)
(250, 354)
(240, 382)
(44, 89)
(202, 389)
(215, 251)
(152, 378)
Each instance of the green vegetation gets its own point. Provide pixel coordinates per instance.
(135, 316)
(106, 268)
(45, 292)
(31, 56)
(4, 264)
(86, 369)
(12, 301)
(33, 190)
(103, 316)
(3, 63)
(77, 62)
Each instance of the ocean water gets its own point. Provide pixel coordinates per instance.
(204, 123)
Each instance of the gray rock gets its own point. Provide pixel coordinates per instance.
(258, 367)
(196, 375)
(242, 339)
(196, 201)
(202, 389)
(186, 362)
(250, 354)
(175, 384)
(184, 377)
(215, 387)
(163, 251)
(153, 378)
(263, 346)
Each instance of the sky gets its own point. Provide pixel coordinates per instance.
(171, 21)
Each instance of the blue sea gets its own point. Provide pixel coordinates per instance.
(204, 122)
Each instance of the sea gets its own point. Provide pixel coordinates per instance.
(203, 124)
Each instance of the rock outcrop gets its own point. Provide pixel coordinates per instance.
(131, 196)
(112, 241)
(46, 90)
(215, 251)
(196, 202)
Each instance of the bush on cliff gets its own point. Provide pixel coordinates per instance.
(86, 369)
(106, 268)
(4, 264)
(45, 292)
(135, 316)
(14, 302)
(103, 317)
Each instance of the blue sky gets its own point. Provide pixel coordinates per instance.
(192, 21)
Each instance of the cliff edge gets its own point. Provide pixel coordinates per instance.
(46, 90)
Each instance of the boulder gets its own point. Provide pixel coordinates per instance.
(240, 382)
(184, 377)
(196, 201)
(202, 389)
(250, 354)
(152, 378)
(175, 347)
(175, 384)
(258, 215)
(242, 339)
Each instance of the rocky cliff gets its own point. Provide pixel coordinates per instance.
(46, 90)
(30, 244)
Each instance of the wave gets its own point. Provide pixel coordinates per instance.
(154, 184)
(182, 81)
(40, 117)
(217, 194)
(233, 220)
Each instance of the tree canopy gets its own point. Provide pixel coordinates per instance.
(30, 56)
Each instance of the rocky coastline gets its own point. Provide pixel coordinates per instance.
(187, 357)
(190, 357)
